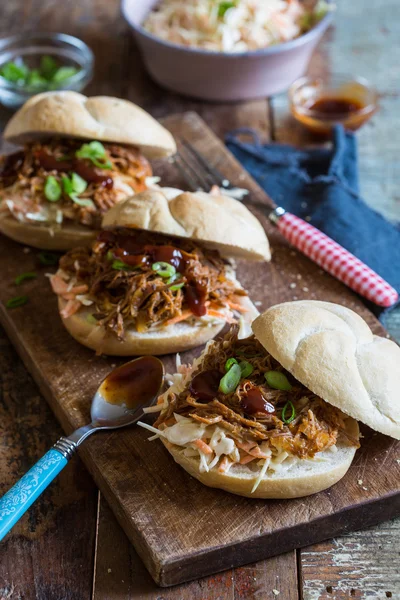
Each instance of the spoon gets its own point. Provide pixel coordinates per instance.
(119, 401)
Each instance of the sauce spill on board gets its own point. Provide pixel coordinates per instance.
(135, 383)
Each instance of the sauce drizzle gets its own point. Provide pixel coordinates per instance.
(204, 386)
(254, 402)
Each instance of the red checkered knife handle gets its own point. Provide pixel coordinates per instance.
(333, 258)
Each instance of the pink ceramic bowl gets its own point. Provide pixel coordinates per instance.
(221, 76)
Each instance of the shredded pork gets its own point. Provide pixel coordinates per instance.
(315, 427)
(23, 177)
(122, 296)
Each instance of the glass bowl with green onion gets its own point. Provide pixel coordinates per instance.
(42, 62)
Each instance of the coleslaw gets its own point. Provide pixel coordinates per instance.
(232, 26)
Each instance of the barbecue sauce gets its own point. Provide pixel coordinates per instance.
(331, 108)
(204, 386)
(196, 296)
(12, 163)
(254, 402)
(83, 167)
(135, 383)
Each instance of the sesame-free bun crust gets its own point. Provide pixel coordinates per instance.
(333, 352)
(166, 340)
(304, 478)
(103, 118)
(218, 222)
(43, 237)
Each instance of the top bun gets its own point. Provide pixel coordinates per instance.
(333, 352)
(100, 118)
(216, 221)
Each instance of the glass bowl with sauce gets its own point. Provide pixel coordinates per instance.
(31, 63)
(320, 103)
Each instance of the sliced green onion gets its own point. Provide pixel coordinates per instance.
(229, 363)
(67, 185)
(75, 185)
(223, 7)
(36, 80)
(110, 255)
(164, 269)
(24, 277)
(48, 67)
(177, 286)
(120, 265)
(246, 368)
(230, 380)
(48, 258)
(95, 152)
(87, 202)
(52, 189)
(16, 73)
(17, 301)
(285, 419)
(64, 73)
(277, 381)
(91, 320)
(79, 185)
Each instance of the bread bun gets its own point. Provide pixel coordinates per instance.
(101, 118)
(44, 237)
(218, 222)
(165, 340)
(305, 477)
(332, 351)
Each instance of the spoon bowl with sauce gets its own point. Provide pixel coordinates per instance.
(119, 401)
(320, 103)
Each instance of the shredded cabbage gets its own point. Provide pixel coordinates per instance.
(236, 26)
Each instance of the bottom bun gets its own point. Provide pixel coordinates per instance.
(166, 340)
(44, 237)
(304, 478)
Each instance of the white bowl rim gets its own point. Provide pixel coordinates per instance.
(314, 32)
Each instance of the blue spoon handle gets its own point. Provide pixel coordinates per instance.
(24, 493)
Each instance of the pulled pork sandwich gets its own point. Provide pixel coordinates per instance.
(157, 279)
(274, 415)
(81, 157)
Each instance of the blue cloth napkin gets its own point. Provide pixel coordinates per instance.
(322, 185)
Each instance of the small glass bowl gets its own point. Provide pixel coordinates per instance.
(66, 49)
(307, 91)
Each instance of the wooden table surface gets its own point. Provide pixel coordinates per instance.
(69, 546)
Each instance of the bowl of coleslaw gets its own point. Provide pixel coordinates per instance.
(227, 50)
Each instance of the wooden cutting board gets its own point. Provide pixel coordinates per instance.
(181, 529)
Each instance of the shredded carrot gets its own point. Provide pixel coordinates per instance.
(215, 191)
(170, 421)
(61, 287)
(70, 308)
(203, 446)
(236, 306)
(256, 452)
(246, 446)
(185, 315)
(218, 315)
(224, 465)
(69, 296)
(246, 459)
